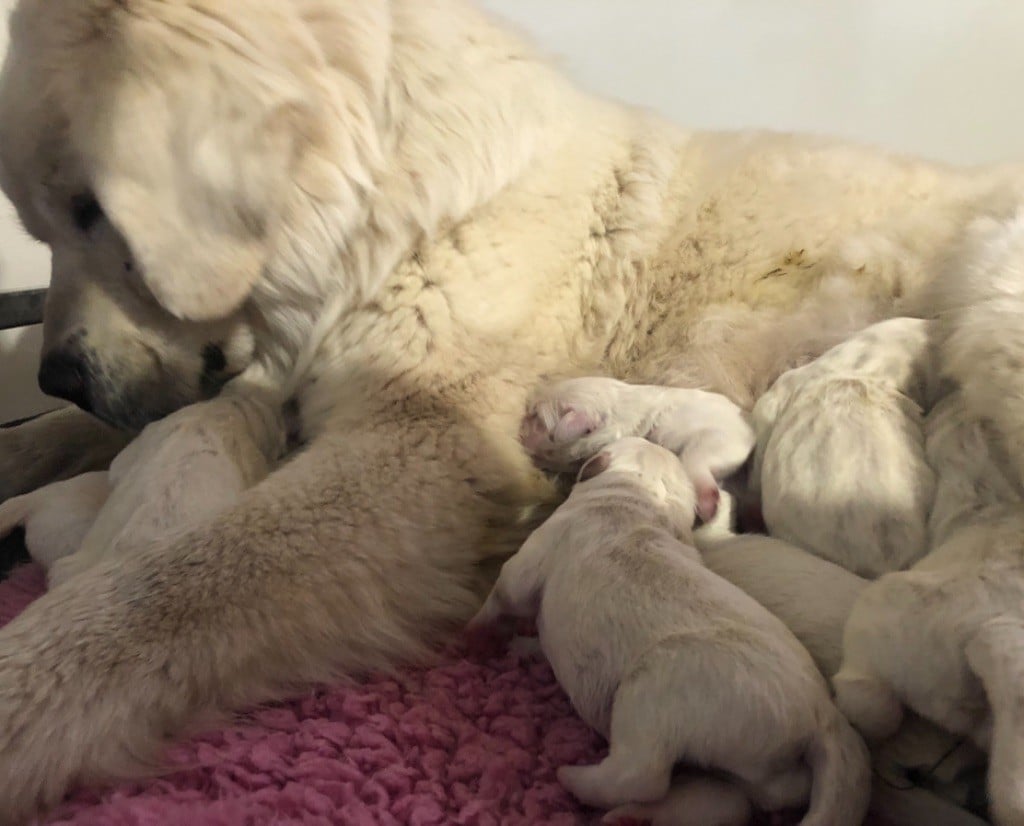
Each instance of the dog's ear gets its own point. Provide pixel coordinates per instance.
(191, 120)
(594, 466)
(574, 424)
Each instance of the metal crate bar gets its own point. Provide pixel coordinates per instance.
(21, 308)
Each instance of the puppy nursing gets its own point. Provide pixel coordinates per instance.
(840, 458)
(178, 473)
(946, 638)
(673, 664)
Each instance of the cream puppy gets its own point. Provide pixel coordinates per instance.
(840, 461)
(569, 421)
(811, 595)
(178, 473)
(669, 661)
(814, 598)
(946, 638)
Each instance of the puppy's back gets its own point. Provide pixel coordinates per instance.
(843, 474)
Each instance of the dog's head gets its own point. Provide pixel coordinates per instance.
(160, 148)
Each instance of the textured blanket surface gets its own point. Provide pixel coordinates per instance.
(473, 740)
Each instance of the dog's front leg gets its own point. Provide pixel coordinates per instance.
(54, 446)
(355, 555)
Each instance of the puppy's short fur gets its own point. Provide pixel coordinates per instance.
(946, 638)
(814, 598)
(177, 474)
(669, 661)
(840, 461)
(571, 420)
(811, 595)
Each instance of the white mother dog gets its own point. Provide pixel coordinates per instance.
(393, 211)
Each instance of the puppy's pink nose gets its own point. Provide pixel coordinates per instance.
(707, 503)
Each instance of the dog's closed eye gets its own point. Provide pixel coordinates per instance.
(85, 211)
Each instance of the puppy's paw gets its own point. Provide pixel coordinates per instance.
(489, 632)
(552, 434)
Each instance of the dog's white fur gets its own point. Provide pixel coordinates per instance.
(979, 298)
(177, 474)
(569, 421)
(840, 461)
(669, 661)
(394, 212)
(946, 638)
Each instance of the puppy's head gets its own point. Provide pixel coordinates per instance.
(657, 470)
(159, 148)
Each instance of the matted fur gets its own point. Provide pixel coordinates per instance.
(393, 211)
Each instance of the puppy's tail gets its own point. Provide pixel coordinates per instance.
(840, 775)
(996, 655)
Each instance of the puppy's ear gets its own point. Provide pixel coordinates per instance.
(192, 120)
(594, 466)
(573, 425)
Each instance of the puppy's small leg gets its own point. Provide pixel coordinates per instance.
(638, 768)
(693, 800)
(518, 589)
(868, 703)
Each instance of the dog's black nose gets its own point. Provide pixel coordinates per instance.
(65, 376)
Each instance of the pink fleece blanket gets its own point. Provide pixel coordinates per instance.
(474, 740)
(470, 741)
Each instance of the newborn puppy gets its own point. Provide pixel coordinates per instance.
(814, 598)
(840, 461)
(177, 473)
(669, 661)
(569, 421)
(946, 638)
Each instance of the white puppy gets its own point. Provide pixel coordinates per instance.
(669, 661)
(840, 461)
(569, 421)
(814, 598)
(946, 638)
(178, 473)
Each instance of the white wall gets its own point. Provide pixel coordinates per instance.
(23, 264)
(940, 78)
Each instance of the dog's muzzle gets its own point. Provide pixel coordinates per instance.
(64, 374)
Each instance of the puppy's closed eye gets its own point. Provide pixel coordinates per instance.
(85, 211)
